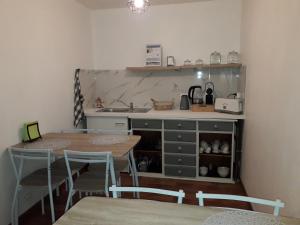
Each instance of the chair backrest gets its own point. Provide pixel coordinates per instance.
(179, 194)
(22, 154)
(88, 157)
(276, 204)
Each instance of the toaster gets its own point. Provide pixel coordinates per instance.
(229, 105)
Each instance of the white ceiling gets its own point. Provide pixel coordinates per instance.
(108, 4)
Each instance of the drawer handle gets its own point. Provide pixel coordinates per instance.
(179, 171)
(179, 148)
(179, 136)
(146, 124)
(179, 125)
(179, 160)
(216, 126)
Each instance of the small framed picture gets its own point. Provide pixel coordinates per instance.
(170, 61)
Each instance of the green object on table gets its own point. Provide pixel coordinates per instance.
(31, 131)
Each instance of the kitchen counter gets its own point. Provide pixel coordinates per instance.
(167, 114)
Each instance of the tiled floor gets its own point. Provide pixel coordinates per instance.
(34, 216)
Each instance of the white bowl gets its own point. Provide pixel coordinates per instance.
(203, 170)
(223, 171)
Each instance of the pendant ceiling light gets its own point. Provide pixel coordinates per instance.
(138, 6)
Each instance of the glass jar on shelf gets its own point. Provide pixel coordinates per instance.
(233, 57)
(215, 58)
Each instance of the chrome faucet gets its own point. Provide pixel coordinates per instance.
(130, 106)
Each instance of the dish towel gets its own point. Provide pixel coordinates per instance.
(78, 100)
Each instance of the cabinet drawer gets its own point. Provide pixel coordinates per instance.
(180, 125)
(184, 160)
(147, 124)
(181, 148)
(180, 136)
(215, 126)
(180, 171)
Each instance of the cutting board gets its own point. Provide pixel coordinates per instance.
(202, 108)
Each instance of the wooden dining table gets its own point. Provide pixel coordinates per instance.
(118, 145)
(109, 211)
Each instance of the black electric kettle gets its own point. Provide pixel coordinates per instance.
(196, 95)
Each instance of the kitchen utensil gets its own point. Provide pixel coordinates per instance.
(184, 102)
(162, 105)
(203, 144)
(143, 165)
(229, 105)
(215, 58)
(195, 94)
(216, 146)
(199, 62)
(223, 171)
(187, 62)
(203, 170)
(233, 57)
(171, 61)
(201, 150)
(225, 148)
(208, 149)
(209, 89)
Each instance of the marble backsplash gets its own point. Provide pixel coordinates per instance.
(117, 88)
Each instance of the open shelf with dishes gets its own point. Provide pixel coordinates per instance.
(216, 154)
(148, 152)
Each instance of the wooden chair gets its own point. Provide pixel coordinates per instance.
(45, 179)
(116, 190)
(276, 204)
(88, 182)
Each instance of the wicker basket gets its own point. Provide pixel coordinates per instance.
(162, 105)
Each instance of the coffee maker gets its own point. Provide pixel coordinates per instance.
(209, 93)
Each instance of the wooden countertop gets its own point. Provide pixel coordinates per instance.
(82, 142)
(109, 211)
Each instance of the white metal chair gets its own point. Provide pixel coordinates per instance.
(89, 182)
(43, 179)
(276, 204)
(116, 190)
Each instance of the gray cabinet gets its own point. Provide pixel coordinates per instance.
(180, 136)
(178, 143)
(180, 150)
(146, 124)
(180, 125)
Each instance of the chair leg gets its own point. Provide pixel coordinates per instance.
(134, 172)
(67, 184)
(14, 216)
(80, 195)
(69, 199)
(51, 204)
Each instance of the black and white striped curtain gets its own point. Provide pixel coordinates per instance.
(78, 100)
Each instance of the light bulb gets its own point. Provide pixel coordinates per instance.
(199, 74)
(139, 3)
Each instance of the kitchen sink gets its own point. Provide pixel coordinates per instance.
(124, 110)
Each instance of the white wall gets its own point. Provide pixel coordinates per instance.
(41, 43)
(271, 51)
(186, 31)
